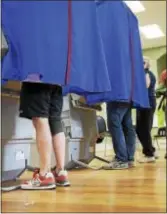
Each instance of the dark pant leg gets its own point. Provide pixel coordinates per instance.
(143, 129)
(115, 116)
(130, 135)
(139, 125)
(56, 105)
(152, 111)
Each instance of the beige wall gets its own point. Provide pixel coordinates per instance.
(154, 54)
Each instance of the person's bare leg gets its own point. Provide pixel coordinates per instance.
(61, 175)
(44, 143)
(58, 137)
(59, 141)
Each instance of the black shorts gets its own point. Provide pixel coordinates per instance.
(41, 100)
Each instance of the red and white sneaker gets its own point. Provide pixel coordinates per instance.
(39, 182)
(61, 178)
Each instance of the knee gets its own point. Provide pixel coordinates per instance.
(56, 126)
(129, 129)
(39, 122)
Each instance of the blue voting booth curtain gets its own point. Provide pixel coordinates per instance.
(36, 33)
(140, 92)
(121, 40)
(88, 64)
(57, 40)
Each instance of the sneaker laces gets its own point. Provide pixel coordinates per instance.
(35, 179)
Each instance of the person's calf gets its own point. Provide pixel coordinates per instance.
(60, 173)
(43, 139)
(59, 141)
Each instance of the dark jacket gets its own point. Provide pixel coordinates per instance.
(151, 89)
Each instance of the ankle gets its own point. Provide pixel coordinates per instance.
(44, 172)
(58, 169)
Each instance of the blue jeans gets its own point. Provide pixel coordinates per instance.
(122, 131)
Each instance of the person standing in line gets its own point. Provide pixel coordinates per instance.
(123, 135)
(42, 103)
(145, 119)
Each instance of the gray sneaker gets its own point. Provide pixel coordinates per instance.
(116, 165)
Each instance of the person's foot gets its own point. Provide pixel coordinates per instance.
(61, 178)
(147, 159)
(156, 155)
(116, 165)
(39, 182)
